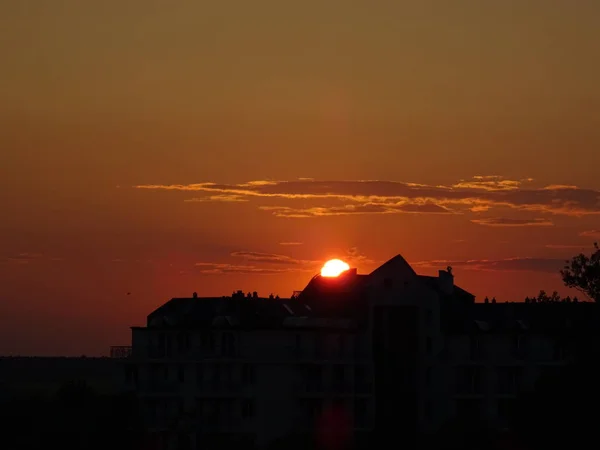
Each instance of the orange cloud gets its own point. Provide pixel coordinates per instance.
(565, 246)
(269, 258)
(552, 265)
(590, 233)
(218, 198)
(271, 263)
(506, 222)
(207, 268)
(392, 197)
(26, 258)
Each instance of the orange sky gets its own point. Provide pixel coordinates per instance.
(133, 134)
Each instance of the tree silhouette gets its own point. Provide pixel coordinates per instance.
(583, 273)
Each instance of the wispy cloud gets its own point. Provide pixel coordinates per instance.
(27, 258)
(291, 243)
(270, 258)
(207, 268)
(391, 197)
(355, 257)
(565, 246)
(507, 222)
(270, 263)
(491, 183)
(590, 233)
(366, 208)
(218, 198)
(552, 265)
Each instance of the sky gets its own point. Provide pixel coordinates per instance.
(152, 149)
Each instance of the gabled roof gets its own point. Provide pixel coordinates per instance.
(397, 263)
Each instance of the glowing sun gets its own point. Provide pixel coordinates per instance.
(334, 268)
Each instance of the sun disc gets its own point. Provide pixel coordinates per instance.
(334, 268)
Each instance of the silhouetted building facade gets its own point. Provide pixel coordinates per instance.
(392, 354)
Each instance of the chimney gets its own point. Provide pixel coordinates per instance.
(446, 281)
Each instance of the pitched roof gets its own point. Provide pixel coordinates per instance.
(398, 263)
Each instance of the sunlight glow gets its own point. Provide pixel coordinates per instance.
(334, 268)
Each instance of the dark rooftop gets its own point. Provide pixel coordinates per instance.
(341, 303)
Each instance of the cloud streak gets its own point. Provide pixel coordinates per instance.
(547, 265)
(591, 233)
(565, 246)
(272, 263)
(27, 258)
(270, 258)
(507, 222)
(207, 268)
(481, 193)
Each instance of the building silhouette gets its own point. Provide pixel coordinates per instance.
(391, 355)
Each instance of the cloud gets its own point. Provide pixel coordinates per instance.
(355, 257)
(552, 265)
(270, 263)
(291, 243)
(218, 198)
(490, 183)
(566, 246)
(25, 258)
(506, 222)
(222, 269)
(270, 258)
(394, 197)
(590, 233)
(367, 208)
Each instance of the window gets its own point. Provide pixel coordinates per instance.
(131, 375)
(228, 344)
(469, 380)
(298, 345)
(428, 317)
(339, 379)
(428, 345)
(428, 376)
(361, 381)
(314, 378)
(427, 411)
(315, 406)
(509, 380)
(360, 412)
(248, 408)
(181, 373)
(468, 409)
(227, 376)
(475, 350)
(215, 376)
(319, 347)
(506, 409)
(183, 342)
(519, 346)
(200, 374)
(341, 345)
(247, 374)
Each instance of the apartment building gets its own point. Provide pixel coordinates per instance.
(392, 352)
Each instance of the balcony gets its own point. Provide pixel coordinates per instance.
(120, 351)
(162, 387)
(219, 388)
